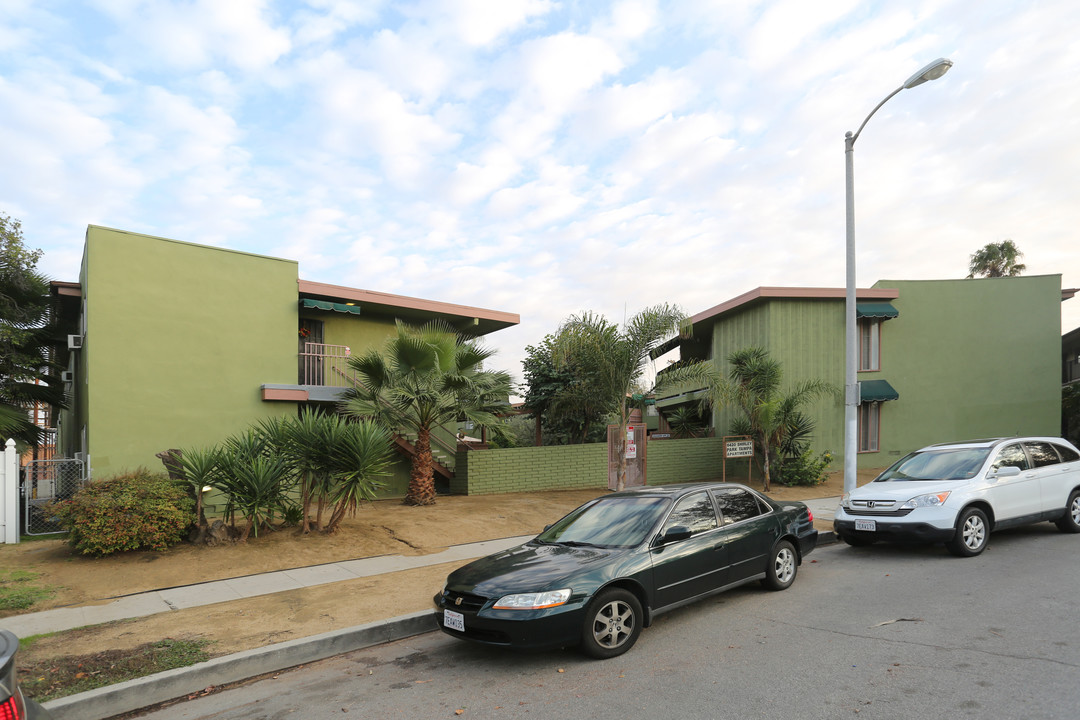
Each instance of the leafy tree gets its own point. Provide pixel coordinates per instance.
(769, 415)
(997, 260)
(26, 374)
(561, 395)
(424, 378)
(613, 360)
(1070, 412)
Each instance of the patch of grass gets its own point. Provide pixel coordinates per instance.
(63, 676)
(17, 591)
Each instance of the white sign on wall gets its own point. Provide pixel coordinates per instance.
(739, 448)
(631, 446)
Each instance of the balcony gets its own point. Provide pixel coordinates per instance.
(325, 366)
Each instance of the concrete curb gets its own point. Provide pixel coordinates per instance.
(143, 692)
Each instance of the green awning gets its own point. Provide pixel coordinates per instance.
(335, 307)
(876, 391)
(876, 310)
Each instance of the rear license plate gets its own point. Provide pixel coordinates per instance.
(453, 620)
(870, 525)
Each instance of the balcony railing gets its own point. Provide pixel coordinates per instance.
(325, 365)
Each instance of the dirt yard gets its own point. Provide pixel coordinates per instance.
(381, 528)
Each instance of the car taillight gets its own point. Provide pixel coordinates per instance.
(12, 709)
(810, 514)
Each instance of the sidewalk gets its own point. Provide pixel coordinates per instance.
(135, 694)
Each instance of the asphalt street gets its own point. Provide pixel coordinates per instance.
(878, 632)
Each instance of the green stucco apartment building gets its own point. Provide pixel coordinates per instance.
(940, 360)
(176, 345)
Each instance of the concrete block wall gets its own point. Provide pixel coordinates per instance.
(674, 461)
(529, 469)
(578, 467)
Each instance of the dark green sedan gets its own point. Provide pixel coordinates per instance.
(599, 575)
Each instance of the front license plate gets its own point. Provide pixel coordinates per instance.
(870, 525)
(453, 620)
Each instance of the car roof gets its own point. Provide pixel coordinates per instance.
(675, 489)
(992, 442)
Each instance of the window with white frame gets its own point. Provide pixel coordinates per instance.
(869, 426)
(869, 344)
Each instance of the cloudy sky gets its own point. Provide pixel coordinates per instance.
(548, 157)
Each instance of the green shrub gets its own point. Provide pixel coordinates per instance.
(134, 511)
(805, 469)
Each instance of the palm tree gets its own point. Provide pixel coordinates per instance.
(997, 260)
(426, 377)
(774, 419)
(362, 456)
(614, 360)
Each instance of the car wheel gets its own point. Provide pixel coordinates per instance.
(857, 540)
(612, 624)
(972, 532)
(1070, 521)
(783, 566)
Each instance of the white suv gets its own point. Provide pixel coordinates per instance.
(957, 493)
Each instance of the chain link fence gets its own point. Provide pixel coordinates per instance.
(43, 482)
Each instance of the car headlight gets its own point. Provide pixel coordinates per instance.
(844, 500)
(533, 601)
(931, 500)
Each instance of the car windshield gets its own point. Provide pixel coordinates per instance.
(608, 522)
(937, 464)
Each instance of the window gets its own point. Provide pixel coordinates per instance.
(869, 344)
(869, 426)
(693, 511)
(1042, 454)
(1067, 454)
(1011, 456)
(737, 505)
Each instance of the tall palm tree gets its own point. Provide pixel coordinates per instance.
(997, 260)
(424, 378)
(615, 359)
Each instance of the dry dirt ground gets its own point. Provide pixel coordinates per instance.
(380, 528)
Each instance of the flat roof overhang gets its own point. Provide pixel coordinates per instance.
(465, 319)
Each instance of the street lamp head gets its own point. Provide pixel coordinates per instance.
(931, 72)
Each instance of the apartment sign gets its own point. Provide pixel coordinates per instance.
(739, 448)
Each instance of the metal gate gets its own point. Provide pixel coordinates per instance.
(43, 482)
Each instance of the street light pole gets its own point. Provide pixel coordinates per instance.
(851, 348)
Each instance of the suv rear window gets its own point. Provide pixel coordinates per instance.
(1067, 454)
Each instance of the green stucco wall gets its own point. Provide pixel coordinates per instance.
(971, 358)
(179, 338)
(359, 332)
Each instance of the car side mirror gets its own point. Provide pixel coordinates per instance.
(1007, 471)
(678, 533)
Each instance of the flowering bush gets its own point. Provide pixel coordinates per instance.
(133, 511)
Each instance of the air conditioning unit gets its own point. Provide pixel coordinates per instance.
(75, 342)
(67, 376)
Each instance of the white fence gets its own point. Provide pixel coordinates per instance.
(9, 493)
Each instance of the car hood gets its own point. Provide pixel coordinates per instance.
(904, 490)
(531, 567)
